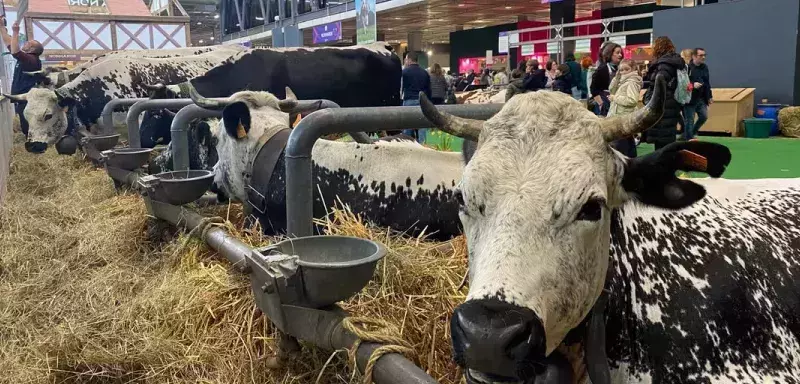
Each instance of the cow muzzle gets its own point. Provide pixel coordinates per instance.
(35, 146)
(502, 341)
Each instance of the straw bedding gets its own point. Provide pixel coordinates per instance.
(93, 291)
(789, 121)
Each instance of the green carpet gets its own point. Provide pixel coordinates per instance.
(777, 157)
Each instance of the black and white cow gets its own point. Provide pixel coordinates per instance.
(354, 76)
(394, 183)
(56, 77)
(88, 93)
(702, 277)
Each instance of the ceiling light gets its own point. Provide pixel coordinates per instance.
(212, 38)
(259, 18)
(201, 41)
(216, 16)
(507, 7)
(430, 53)
(461, 5)
(199, 23)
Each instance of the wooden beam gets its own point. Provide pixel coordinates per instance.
(107, 18)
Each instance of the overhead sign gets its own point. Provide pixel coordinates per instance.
(526, 50)
(502, 43)
(488, 57)
(61, 57)
(366, 22)
(327, 32)
(583, 45)
(87, 6)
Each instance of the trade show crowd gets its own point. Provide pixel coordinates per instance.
(611, 86)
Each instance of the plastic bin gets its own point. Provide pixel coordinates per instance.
(770, 111)
(757, 128)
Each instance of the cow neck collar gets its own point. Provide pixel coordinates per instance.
(260, 169)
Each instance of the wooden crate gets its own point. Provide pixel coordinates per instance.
(731, 106)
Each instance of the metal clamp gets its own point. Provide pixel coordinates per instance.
(275, 281)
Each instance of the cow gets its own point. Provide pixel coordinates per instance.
(354, 76)
(54, 77)
(372, 179)
(88, 93)
(699, 278)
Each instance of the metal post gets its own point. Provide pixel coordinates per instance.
(179, 131)
(299, 185)
(132, 118)
(106, 121)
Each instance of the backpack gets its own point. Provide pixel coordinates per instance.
(683, 91)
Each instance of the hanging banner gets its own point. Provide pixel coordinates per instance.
(502, 43)
(489, 57)
(327, 32)
(366, 22)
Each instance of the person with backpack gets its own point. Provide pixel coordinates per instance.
(667, 63)
(701, 96)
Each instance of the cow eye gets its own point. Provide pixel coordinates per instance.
(48, 116)
(592, 210)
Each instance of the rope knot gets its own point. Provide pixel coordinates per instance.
(375, 331)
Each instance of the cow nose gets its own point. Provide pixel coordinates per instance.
(35, 146)
(498, 338)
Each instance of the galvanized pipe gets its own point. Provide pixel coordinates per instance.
(217, 238)
(106, 120)
(132, 118)
(299, 185)
(307, 106)
(179, 133)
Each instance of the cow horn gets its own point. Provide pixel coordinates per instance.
(290, 102)
(623, 126)
(34, 73)
(197, 98)
(16, 98)
(457, 126)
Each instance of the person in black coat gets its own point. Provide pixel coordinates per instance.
(666, 63)
(562, 81)
(535, 78)
(610, 56)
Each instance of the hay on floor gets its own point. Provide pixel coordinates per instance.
(92, 291)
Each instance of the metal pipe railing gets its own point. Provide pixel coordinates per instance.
(299, 183)
(132, 118)
(106, 118)
(179, 133)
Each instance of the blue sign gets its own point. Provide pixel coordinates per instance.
(327, 32)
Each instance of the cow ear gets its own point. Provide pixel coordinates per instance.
(651, 179)
(65, 102)
(236, 117)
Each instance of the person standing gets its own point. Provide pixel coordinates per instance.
(575, 76)
(666, 62)
(415, 80)
(27, 61)
(610, 56)
(701, 94)
(562, 83)
(624, 99)
(439, 84)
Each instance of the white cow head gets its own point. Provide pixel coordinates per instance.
(536, 201)
(46, 113)
(246, 117)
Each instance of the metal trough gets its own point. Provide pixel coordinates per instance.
(177, 187)
(93, 146)
(127, 158)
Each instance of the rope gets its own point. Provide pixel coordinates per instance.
(203, 227)
(384, 334)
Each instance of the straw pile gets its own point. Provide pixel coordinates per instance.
(789, 121)
(93, 291)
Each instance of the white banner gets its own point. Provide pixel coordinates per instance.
(526, 50)
(502, 43)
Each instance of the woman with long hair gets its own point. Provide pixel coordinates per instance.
(610, 56)
(439, 84)
(666, 62)
(586, 64)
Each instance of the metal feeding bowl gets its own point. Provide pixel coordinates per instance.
(177, 187)
(127, 158)
(330, 268)
(103, 143)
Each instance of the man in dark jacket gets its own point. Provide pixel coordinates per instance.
(701, 95)
(27, 61)
(577, 81)
(415, 80)
(535, 78)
